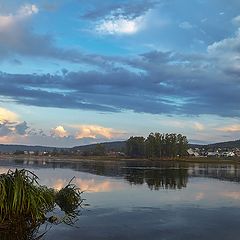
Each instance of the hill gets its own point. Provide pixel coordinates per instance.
(109, 146)
(229, 144)
(117, 146)
(4, 148)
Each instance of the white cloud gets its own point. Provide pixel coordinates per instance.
(198, 126)
(225, 46)
(236, 20)
(119, 25)
(28, 10)
(185, 25)
(59, 131)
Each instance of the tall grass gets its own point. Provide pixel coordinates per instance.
(23, 201)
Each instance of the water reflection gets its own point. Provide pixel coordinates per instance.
(158, 178)
(130, 199)
(156, 175)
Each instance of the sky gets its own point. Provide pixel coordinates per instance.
(74, 72)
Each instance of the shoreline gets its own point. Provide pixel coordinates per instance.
(63, 158)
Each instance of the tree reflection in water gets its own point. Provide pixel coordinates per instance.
(158, 179)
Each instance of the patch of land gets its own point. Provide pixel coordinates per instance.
(64, 158)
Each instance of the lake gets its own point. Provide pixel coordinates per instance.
(146, 200)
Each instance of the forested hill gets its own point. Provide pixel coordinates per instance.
(114, 146)
(7, 148)
(109, 146)
(230, 144)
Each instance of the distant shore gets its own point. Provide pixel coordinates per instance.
(61, 158)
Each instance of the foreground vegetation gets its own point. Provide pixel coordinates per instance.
(24, 204)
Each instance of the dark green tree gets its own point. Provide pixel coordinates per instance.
(99, 150)
(135, 146)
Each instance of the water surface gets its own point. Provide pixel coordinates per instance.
(141, 200)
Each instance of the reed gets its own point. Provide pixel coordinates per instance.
(24, 200)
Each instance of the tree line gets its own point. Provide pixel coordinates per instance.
(157, 145)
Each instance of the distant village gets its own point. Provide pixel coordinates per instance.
(214, 152)
(100, 151)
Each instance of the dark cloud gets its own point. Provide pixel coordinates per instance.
(129, 9)
(4, 129)
(154, 82)
(21, 128)
(19, 39)
(10, 128)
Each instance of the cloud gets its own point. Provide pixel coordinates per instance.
(236, 20)
(13, 128)
(10, 125)
(21, 128)
(59, 131)
(121, 18)
(185, 25)
(154, 82)
(8, 21)
(94, 131)
(18, 38)
(198, 126)
(119, 25)
(6, 139)
(230, 128)
(5, 130)
(7, 115)
(131, 10)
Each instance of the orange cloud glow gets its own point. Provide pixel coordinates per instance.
(92, 131)
(6, 139)
(89, 185)
(230, 128)
(6, 115)
(231, 195)
(6, 21)
(59, 131)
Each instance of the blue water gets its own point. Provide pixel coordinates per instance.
(146, 200)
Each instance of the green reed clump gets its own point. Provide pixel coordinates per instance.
(68, 198)
(23, 199)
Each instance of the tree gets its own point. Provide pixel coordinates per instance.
(135, 146)
(99, 150)
(158, 145)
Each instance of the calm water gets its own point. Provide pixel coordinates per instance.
(139, 200)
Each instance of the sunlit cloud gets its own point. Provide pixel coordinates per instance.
(24, 11)
(7, 115)
(119, 25)
(94, 131)
(7, 139)
(230, 128)
(59, 131)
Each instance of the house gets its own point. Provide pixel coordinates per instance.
(228, 154)
(192, 152)
(213, 154)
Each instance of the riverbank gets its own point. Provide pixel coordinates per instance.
(64, 158)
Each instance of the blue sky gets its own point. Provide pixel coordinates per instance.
(77, 72)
